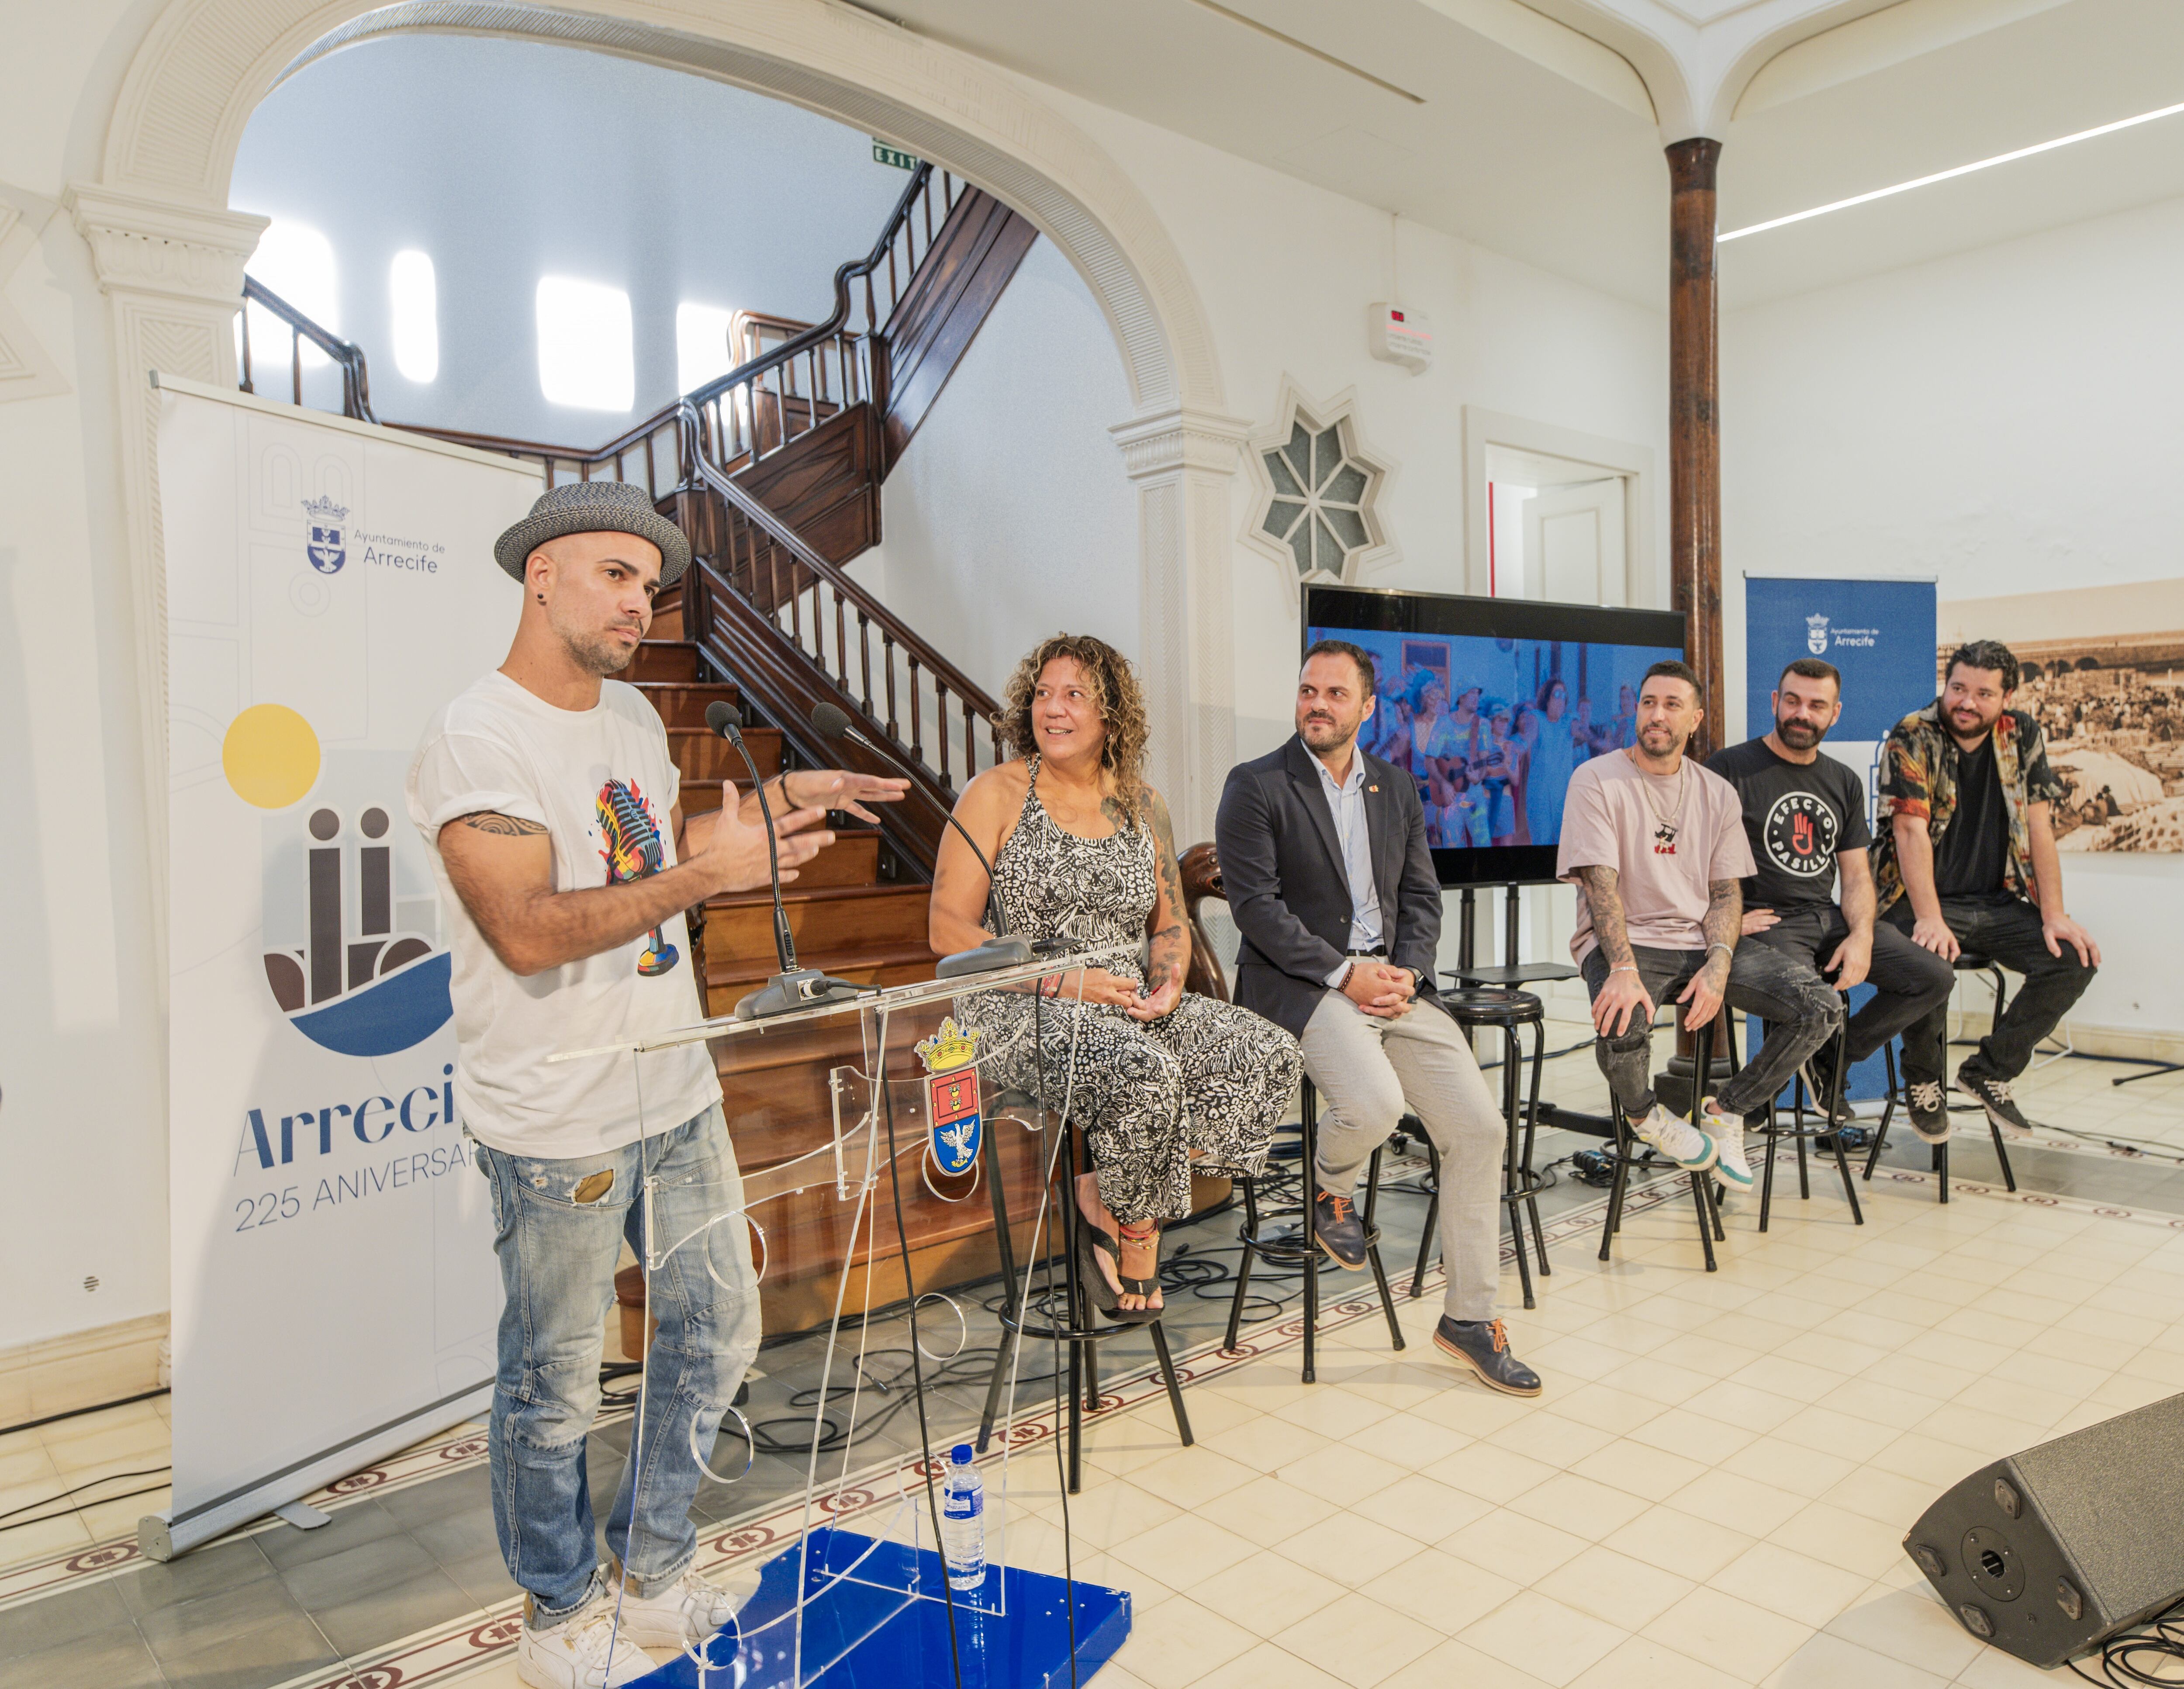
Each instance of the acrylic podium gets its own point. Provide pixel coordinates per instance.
(861, 1597)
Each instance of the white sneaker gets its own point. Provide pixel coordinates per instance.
(1727, 1131)
(1679, 1140)
(682, 1614)
(576, 1653)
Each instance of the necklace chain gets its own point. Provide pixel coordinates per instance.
(1669, 820)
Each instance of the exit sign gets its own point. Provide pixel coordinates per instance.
(884, 154)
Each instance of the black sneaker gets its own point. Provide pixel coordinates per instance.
(1929, 1109)
(1993, 1095)
(1340, 1233)
(1820, 1078)
(1483, 1345)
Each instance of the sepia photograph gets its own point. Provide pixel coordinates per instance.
(2102, 669)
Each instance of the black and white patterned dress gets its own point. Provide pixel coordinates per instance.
(1208, 1077)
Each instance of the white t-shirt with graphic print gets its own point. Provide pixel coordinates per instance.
(602, 783)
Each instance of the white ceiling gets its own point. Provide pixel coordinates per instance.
(1536, 134)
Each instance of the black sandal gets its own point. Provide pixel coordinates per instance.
(1091, 1238)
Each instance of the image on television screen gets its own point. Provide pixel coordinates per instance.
(1489, 704)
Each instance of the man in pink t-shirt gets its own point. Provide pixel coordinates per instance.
(1656, 846)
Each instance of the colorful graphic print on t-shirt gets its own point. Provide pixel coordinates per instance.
(633, 852)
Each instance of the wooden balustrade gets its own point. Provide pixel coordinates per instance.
(691, 456)
(349, 358)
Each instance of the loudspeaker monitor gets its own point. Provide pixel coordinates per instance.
(2050, 1552)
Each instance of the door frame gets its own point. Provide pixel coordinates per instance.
(1483, 428)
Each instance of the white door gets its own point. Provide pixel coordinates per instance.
(1574, 543)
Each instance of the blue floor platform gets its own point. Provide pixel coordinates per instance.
(886, 1642)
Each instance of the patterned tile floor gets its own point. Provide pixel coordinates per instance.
(1713, 1491)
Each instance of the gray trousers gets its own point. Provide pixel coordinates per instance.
(1367, 1070)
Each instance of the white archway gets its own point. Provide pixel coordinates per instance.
(170, 256)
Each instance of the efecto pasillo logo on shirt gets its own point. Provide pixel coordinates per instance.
(634, 851)
(1800, 834)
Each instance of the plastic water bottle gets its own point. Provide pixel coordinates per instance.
(963, 1522)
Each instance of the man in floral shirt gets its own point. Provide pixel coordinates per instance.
(1966, 862)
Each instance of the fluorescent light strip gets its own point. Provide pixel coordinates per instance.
(1944, 175)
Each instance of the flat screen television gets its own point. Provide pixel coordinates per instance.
(1490, 703)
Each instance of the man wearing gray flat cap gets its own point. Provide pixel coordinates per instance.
(548, 799)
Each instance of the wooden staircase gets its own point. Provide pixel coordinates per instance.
(774, 472)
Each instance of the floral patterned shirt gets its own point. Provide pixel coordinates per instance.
(1919, 776)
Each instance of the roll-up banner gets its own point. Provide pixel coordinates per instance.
(1880, 632)
(329, 585)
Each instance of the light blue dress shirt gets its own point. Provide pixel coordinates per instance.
(1347, 801)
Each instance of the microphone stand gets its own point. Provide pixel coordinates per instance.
(793, 987)
(1004, 950)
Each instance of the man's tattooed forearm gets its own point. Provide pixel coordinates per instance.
(503, 826)
(1724, 916)
(1598, 886)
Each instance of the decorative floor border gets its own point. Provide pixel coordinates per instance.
(442, 1652)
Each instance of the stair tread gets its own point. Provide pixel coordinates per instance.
(758, 967)
(793, 893)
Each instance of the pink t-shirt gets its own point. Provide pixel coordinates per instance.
(1661, 872)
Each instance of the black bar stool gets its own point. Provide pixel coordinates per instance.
(1629, 1153)
(1080, 1332)
(1776, 1131)
(1966, 962)
(1474, 1009)
(1281, 1245)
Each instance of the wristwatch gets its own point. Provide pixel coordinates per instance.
(1425, 981)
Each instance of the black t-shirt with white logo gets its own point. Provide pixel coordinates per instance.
(1797, 815)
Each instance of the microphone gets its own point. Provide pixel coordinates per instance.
(1004, 950)
(793, 988)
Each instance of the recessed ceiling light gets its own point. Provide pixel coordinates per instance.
(1944, 175)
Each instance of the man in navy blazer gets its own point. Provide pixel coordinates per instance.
(1323, 857)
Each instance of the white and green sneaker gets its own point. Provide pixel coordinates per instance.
(1680, 1141)
(1727, 1131)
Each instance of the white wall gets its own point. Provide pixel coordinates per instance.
(1009, 518)
(82, 1052)
(2010, 420)
(667, 185)
(1287, 271)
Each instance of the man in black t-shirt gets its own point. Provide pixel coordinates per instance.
(1805, 815)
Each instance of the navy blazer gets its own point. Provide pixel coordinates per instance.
(1289, 891)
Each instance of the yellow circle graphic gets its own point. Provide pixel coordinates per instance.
(270, 755)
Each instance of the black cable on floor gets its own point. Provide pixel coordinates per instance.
(92, 1483)
(78, 1412)
(2149, 1653)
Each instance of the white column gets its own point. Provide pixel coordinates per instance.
(172, 274)
(1184, 463)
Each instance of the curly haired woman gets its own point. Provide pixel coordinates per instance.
(1083, 853)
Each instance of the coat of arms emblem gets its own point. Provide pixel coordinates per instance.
(326, 547)
(949, 1057)
(1816, 635)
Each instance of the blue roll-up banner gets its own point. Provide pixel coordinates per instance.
(1881, 634)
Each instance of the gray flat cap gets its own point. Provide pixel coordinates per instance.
(594, 507)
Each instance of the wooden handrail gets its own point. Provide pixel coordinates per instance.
(356, 381)
(969, 690)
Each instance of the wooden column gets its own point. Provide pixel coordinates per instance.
(1695, 423)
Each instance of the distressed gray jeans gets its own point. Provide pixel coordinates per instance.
(1802, 1009)
(1367, 1070)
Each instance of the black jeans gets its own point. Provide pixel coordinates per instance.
(2010, 933)
(1909, 981)
(1802, 1008)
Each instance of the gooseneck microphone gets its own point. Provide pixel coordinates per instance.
(1005, 948)
(793, 988)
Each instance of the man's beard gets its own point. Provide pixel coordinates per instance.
(1325, 735)
(1800, 735)
(600, 654)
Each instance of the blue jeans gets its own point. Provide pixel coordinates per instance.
(558, 1228)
